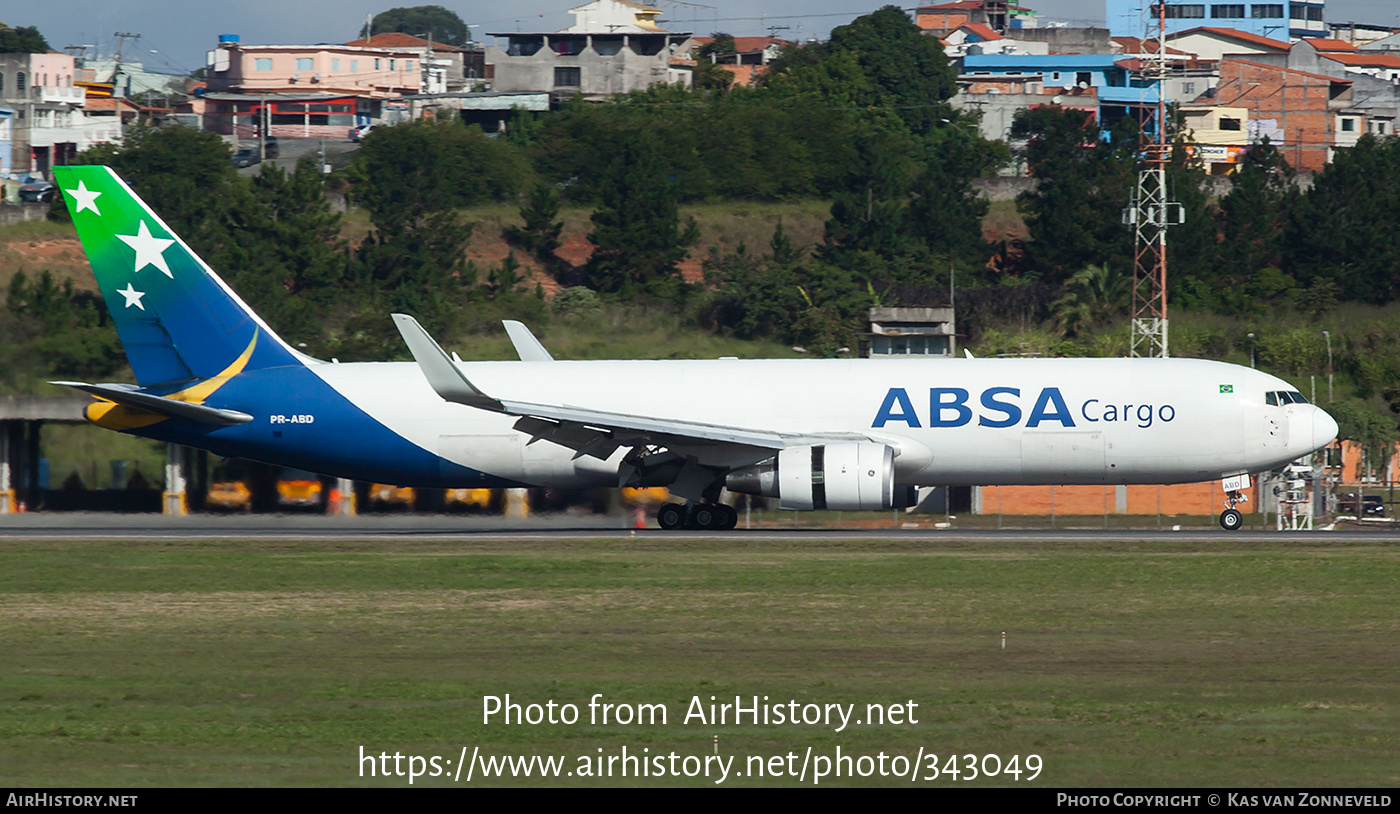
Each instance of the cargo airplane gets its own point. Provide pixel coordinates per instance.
(849, 434)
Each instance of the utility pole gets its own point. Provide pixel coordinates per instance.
(1150, 213)
(116, 72)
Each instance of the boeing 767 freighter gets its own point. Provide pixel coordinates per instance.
(846, 434)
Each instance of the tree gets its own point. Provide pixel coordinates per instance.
(540, 234)
(1080, 178)
(885, 64)
(440, 24)
(22, 40)
(1092, 296)
(637, 230)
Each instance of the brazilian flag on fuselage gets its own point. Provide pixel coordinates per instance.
(177, 320)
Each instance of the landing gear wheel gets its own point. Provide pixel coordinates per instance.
(708, 517)
(670, 516)
(731, 518)
(1231, 520)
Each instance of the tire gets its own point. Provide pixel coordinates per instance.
(708, 517)
(670, 516)
(731, 518)
(1231, 520)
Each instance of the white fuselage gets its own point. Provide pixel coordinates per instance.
(952, 421)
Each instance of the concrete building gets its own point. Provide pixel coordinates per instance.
(912, 332)
(976, 38)
(1375, 78)
(613, 47)
(748, 62)
(1219, 135)
(1288, 19)
(49, 124)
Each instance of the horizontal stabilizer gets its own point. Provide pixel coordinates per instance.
(132, 396)
(526, 345)
(444, 376)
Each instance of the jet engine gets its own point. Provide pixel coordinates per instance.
(845, 476)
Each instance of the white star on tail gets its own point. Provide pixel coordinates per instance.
(84, 198)
(149, 249)
(133, 297)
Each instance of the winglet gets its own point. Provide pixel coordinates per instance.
(526, 345)
(444, 377)
(969, 353)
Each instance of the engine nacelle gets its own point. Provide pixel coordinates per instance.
(846, 476)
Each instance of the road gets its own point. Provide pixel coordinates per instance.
(567, 527)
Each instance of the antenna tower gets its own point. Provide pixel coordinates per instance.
(1151, 212)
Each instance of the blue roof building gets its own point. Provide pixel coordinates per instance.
(1120, 91)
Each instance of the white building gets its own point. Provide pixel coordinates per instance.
(50, 125)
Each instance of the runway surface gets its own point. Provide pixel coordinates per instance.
(564, 527)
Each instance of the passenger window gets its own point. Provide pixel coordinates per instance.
(1271, 398)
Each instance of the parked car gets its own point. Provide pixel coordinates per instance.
(360, 131)
(246, 157)
(36, 190)
(1363, 506)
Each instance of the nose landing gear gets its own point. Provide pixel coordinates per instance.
(1231, 519)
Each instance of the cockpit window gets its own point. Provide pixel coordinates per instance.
(1297, 397)
(1271, 398)
(1278, 398)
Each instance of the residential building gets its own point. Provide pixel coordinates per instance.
(1119, 87)
(1217, 135)
(1288, 19)
(613, 47)
(1375, 77)
(1307, 109)
(1209, 42)
(49, 124)
(446, 68)
(747, 62)
(1001, 16)
(304, 91)
(977, 38)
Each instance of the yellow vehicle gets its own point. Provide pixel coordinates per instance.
(229, 495)
(299, 488)
(386, 494)
(482, 500)
(645, 497)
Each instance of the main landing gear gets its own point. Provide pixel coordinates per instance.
(707, 516)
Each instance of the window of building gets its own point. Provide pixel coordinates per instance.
(1186, 11)
(263, 64)
(1266, 11)
(1297, 11)
(354, 66)
(408, 65)
(391, 64)
(19, 82)
(1055, 77)
(567, 78)
(335, 65)
(1188, 88)
(1314, 14)
(2, 83)
(1380, 127)
(378, 64)
(1084, 78)
(1229, 124)
(1227, 10)
(303, 63)
(1348, 125)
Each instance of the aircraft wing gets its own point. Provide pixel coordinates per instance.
(583, 429)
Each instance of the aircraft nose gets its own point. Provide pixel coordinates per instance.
(1324, 429)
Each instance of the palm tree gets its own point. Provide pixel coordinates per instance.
(1092, 296)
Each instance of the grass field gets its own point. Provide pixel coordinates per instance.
(236, 663)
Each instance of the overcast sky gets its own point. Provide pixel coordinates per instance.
(180, 32)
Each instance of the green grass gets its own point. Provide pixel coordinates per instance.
(1156, 664)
